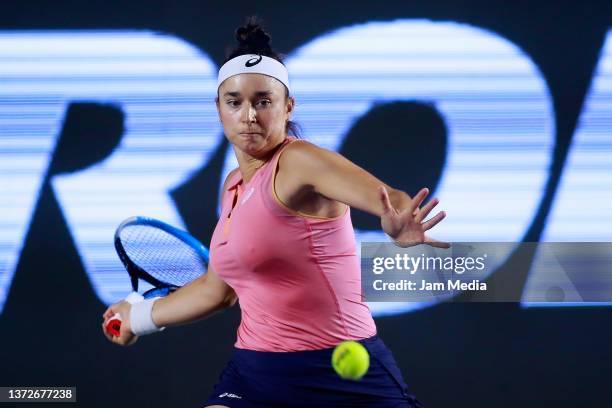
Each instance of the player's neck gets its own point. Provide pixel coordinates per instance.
(249, 165)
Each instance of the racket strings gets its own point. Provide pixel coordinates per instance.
(162, 255)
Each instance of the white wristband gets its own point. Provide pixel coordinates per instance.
(134, 297)
(141, 319)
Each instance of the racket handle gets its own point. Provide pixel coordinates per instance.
(113, 326)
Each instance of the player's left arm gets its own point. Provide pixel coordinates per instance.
(337, 178)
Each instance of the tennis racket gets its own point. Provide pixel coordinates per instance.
(159, 254)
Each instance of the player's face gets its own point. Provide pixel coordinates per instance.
(254, 111)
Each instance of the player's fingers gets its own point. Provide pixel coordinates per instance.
(125, 337)
(436, 243)
(434, 220)
(418, 199)
(426, 209)
(111, 310)
(384, 198)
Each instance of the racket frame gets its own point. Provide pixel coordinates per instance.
(135, 271)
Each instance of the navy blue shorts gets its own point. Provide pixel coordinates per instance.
(257, 379)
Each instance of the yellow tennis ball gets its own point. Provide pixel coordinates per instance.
(350, 360)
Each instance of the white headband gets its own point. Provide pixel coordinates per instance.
(253, 64)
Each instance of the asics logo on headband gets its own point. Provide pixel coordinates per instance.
(253, 61)
(254, 64)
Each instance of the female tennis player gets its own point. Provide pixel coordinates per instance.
(284, 247)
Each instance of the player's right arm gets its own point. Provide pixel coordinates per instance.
(195, 301)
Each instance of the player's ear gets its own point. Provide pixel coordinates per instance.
(290, 106)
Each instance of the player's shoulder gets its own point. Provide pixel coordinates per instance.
(300, 151)
(303, 155)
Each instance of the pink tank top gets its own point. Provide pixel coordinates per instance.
(297, 277)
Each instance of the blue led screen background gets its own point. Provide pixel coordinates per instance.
(107, 111)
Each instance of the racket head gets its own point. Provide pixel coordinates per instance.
(158, 253)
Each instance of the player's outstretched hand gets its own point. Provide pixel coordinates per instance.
(407, 227)
(126, 337)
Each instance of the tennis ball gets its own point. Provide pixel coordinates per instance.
(350, 360)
